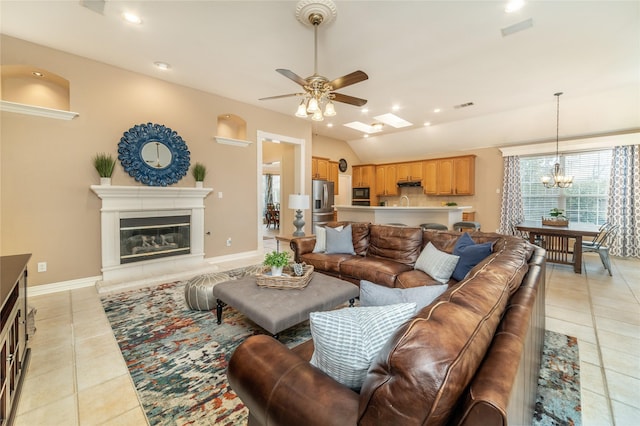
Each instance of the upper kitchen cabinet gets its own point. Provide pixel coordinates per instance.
(450, 176)
(386, 180)
(319, 168)
(410, 172)
(363, 176)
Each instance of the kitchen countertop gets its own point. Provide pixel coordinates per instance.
(420, 208)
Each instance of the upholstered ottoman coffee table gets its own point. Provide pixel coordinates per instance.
(276, 310)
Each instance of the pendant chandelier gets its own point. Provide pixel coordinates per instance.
(557, 179)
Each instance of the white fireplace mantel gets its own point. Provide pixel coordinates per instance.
(123, 201)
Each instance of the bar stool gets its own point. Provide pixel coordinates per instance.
(437, 226)
(460, 226)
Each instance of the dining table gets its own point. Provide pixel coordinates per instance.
(563, 243)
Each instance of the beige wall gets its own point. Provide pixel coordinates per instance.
(47, 207)
(334, 149)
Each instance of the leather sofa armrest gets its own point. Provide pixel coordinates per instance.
(290, 391)
(302, 245)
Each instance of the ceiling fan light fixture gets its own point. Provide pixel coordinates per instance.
(329, 110)
(302, 110)
(312, 106)
(317, 116)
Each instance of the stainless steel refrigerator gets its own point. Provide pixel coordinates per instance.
(321, 203)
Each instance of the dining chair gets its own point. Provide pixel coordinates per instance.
(603, 228)
(601, 245)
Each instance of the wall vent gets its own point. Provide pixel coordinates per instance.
(465, 105)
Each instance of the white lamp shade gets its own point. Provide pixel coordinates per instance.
(313, 106)
(298, 202)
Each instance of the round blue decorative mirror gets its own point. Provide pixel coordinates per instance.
(153, 154)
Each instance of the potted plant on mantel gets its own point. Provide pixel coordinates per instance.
(199, 171)
(277, 261)
(104, 164)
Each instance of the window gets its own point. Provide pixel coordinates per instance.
(584, 201)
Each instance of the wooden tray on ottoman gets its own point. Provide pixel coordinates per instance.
(288, 280)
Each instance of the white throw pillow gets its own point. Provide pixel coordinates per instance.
(321, 239)
(347, 340)
(438, 264)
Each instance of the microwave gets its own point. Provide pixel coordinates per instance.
(360, 193)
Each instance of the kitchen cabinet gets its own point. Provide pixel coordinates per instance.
(14, 353)
(363, 176)
(430, 177)
(386, 180)
(319, 168)
(410, 172)
(450, 176)
(333, 176)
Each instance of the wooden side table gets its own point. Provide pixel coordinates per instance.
(286, 239)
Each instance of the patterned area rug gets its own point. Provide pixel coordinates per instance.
(178, 358)
(558, 399)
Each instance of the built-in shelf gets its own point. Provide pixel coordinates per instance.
(230, 141)
(37, 110)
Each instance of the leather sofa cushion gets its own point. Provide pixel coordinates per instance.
(326, 262)
(416, 278)
(372, 268)
(398, 243)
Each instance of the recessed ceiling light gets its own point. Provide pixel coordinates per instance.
(364, 110)
(162, 65)
(437, 110)
(427, 123)
(329, 124)
(132, 18)
(365, 135)
(513, 6)
(37, 74)
(395, 108)
(393, 120)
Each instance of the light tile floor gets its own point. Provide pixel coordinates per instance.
(77, 375)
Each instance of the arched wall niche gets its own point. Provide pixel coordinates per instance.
(232, 126)
(29, 85)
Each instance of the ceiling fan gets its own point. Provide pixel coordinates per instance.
(319, 90)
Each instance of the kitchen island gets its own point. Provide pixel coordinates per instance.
(411, 216)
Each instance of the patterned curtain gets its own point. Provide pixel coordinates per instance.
(268, 190)
(624, 200)
(512, 210)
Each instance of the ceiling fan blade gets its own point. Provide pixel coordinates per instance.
(339, 97)
(281, 96)
(293, 76)
(349, 79)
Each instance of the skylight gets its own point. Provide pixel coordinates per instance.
(393, 120)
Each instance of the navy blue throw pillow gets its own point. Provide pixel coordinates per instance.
(470, 255)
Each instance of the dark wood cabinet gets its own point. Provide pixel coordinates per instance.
(14, 351)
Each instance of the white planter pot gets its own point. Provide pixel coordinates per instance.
(199, 184)
(105, 181)
(276, 271)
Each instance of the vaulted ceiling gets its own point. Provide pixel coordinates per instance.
(419, 55)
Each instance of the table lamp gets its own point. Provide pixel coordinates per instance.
(298, 203)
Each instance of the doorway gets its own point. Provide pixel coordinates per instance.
(285, 156)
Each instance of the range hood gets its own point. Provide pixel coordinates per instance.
(408, 183)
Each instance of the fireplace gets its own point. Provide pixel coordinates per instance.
(149, 231)
(145, 238)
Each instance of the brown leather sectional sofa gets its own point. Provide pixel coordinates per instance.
(471, 357)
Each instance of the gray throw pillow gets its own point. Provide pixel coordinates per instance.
(321, 238)
(339, 241)
(438, 264)
(377, 295)
(347, 340)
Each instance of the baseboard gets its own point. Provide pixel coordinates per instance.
(62, 286)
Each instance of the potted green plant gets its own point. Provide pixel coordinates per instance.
(104, 164)
(199, 171)
(276, 260)
(557, 213)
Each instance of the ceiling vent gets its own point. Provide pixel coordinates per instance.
(465, 105)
